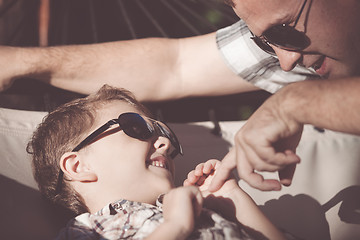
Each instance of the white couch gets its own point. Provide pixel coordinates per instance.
(323, 202)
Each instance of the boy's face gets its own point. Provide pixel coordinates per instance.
(126, 167)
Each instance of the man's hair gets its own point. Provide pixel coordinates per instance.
(230, 3)
(59, 132)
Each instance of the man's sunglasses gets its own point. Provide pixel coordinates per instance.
(283, 36)
(135, 126)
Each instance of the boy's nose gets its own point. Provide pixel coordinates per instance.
(162, 144)
(287, 59)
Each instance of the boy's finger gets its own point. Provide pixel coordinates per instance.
(192, 178)
(200, 181)
(199, 169)
(197, 201)
(209, 167)
(186, 183)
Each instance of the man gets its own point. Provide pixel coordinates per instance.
(169, 69)
(327, 104)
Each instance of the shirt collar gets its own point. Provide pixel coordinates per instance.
(123, 204)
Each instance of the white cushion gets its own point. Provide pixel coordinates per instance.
(308, 209)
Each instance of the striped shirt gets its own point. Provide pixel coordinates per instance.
(251, 63)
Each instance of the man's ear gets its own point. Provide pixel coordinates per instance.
(75, 168)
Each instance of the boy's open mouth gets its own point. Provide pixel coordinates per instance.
(159, 161)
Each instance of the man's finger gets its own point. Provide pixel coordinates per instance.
(254, 161)
(256, 180)
(286, 175)
(223, 173)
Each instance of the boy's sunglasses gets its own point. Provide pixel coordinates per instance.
(283, 36)
(135, 126)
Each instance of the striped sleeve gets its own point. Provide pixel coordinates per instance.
(251, 63)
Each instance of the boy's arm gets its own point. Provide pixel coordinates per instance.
(180, 208)
(232, 202)
(247, 213)
(153, 68)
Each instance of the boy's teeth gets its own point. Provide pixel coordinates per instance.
(157, 164)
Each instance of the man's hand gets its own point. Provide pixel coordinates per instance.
(267, 142)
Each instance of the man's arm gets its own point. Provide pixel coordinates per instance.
(259, 144)
(330, 104)
(154, 69)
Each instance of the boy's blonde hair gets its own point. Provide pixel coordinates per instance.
(59, 132)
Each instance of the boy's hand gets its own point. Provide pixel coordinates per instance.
(201, 172)
(203, 175)
(180, 207)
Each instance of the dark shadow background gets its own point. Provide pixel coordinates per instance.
(26, 215)
(92, 21)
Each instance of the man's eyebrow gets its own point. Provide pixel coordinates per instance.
(230, 3)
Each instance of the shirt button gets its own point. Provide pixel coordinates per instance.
(118, 207)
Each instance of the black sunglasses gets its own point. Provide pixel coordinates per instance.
(135, 126)
(283, 36)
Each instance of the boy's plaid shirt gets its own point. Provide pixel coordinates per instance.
(133, 220)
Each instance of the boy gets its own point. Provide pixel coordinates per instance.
(125, 165)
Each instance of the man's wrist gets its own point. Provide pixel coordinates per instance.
(289, 103)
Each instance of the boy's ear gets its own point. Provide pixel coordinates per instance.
(75, 168)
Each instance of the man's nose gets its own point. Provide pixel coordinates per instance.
(287, 59)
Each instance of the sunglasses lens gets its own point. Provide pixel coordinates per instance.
(165, 131)
(137, 127)
(134, 126)
(287, 38)
(261, 44)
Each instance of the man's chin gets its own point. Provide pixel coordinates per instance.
(343, 72)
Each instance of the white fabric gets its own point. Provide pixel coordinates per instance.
(16, 128)
(330, 164)
(24, 214)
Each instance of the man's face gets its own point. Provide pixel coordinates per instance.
(332, 26)
(126, 167)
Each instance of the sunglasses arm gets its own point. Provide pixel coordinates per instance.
(96, 133)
